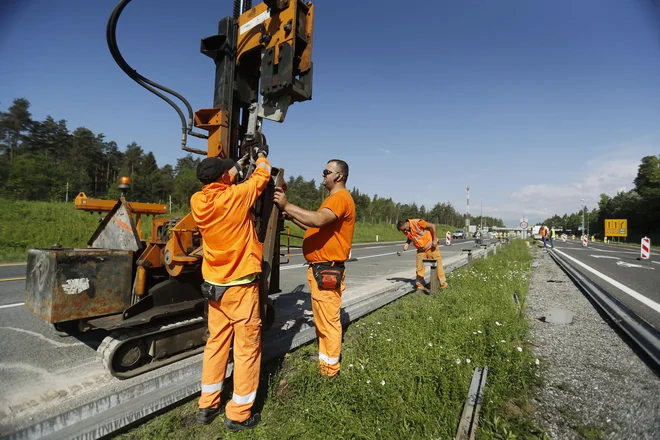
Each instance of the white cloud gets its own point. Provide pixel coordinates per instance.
(384, 150)
(609, 173)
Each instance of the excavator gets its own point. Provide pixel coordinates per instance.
(145, 291)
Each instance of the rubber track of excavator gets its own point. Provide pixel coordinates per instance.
(116, 339)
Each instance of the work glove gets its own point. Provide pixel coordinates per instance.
(263, 150)
(244, 161)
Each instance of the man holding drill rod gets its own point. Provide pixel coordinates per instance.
(326, 246)
(231, 269)
(423, 235)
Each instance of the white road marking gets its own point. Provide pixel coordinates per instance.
(626, 264)
(6, 306)
(655, 262)
(42, 337)
(595, 249)
(605, 256)
(625, 289)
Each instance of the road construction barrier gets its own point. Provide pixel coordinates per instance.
(585, 241)
(448, 239)
(646, 248)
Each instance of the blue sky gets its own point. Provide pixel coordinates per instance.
(534, 104)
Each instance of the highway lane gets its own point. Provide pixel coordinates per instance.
(627, 276)
(43, 372)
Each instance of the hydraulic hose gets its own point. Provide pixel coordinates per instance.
(111, 38)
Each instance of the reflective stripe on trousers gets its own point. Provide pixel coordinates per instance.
(326, 306)
(236, 316)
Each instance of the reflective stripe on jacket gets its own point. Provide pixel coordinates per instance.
(419, 236)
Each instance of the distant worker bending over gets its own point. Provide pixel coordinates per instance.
(425, 238)
(326, 246)
(231, 267)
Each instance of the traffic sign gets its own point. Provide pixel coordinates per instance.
(616, 227)
(524, 225)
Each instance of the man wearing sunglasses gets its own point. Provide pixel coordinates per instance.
(326, 246)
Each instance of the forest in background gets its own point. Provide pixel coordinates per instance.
(45, 161)
(640, 207)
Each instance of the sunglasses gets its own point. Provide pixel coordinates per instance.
(328, 172)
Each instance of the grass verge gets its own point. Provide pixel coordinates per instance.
(406, 369)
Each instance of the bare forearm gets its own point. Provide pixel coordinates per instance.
(302, 217)
(297, 223)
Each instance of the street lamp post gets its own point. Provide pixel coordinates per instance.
(583, 231)
(467, 217)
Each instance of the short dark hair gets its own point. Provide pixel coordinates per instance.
(343, 167)
(400, 223)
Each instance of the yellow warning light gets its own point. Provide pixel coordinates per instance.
(124, 182)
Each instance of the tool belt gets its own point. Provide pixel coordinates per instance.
(328, 274)
(213, 292)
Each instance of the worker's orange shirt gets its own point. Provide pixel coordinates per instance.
(222, 213)
(544, 232)
(420, 237)
(332, 242)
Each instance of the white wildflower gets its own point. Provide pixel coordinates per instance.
(350, 365)
(362, 366)
(368, 381)
(470, 318)
(474, 333)
(502, 340)
(519, 349)
(537, 362)
(479, 331)
(371, 337)
(383, 383)
(389, 340)
(430, 344)
(458, 361)
(467, 361)
(378, 323)
(498, 324)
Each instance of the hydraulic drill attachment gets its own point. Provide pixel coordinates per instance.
(147, 291)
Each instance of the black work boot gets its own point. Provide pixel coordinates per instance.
(250, 423)
(207, 415)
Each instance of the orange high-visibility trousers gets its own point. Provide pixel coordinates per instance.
(428, 255)
(235, 315)
(326, 306)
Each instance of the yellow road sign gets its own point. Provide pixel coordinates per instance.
(616, 227)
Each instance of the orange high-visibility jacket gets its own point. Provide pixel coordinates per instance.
(222, 213)
(420, 237)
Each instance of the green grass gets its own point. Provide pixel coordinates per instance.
(406, 369)
(25, 225)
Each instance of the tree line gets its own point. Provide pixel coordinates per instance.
(640, 207)
(44, 160)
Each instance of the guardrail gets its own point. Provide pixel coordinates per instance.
(641, 333)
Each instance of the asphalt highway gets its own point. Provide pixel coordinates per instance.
(43, 373)
(620, 272)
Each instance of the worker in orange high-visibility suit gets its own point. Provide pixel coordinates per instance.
(425, 238)
(231, 267)
(326, 246)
